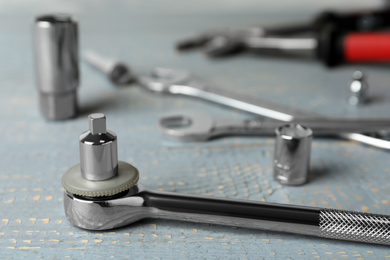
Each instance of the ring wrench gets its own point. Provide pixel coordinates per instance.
(197, 127)
(166, 81)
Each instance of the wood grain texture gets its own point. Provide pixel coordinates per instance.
(35, 153)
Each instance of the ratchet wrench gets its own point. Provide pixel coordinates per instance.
(103, 193)
(166, 81)
(197, 127)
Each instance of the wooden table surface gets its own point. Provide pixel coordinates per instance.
(35, 152)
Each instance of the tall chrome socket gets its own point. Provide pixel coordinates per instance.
(56, 65)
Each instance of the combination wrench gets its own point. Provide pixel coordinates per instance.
(198, 127)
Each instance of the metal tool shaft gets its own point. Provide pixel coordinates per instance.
(118, 72)
(280, 44)
(247, 103)
(140, 203)
(329, 126)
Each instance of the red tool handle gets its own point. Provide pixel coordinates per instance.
(370, 46)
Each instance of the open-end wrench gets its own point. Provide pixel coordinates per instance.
(167, 81)
(197, 127)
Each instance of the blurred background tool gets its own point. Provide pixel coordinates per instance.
(117, 72)
(358, 89)
(227, 41)
(332, 47)
(56, 65)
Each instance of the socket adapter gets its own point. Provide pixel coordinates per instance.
(99, 172)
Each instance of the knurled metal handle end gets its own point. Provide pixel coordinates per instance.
(355, 226)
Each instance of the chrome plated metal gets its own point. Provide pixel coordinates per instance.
(56, 65)
(348, 225)
(265, 44)
(292, 154)
(358, 89)
(118, 73)
(97, 123)
(95, 211)
(168, 81)
(98, 150)
(222, 45)
(141, 203)
(198, 127)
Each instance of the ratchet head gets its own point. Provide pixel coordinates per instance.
(94, 197)
(162, 79)
(99, 205)
(104, 213)
(187, 128)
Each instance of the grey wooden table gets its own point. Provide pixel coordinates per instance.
(35, 153)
